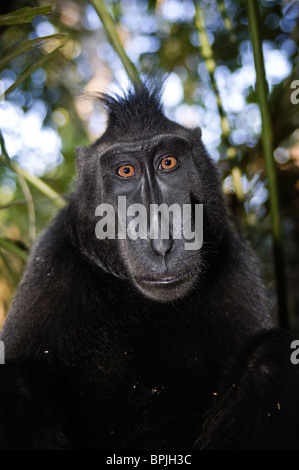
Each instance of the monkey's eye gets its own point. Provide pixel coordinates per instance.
(167, 163)
(126, 171)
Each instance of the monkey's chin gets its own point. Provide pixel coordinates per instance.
(166, 290)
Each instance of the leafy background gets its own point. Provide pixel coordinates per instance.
(54, 62)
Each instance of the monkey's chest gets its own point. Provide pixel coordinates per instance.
(151, 394)
(165, 415)
(152, 407)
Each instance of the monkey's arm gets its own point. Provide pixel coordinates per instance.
(259, 408)
(30, 415)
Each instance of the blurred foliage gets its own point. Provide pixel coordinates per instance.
(67, 70)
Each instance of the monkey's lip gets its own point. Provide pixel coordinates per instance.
(161, 281)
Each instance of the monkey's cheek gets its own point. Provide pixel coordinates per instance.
(165, 291)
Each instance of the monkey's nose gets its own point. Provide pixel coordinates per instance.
(161, 246)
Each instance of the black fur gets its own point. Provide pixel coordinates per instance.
(94, 361)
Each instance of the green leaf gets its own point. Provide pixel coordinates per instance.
(29, 71)
(41, 186)
(12, 276)
(35, 181)
(24, 15)
(27, 46)
(14, 248)
(25, 175)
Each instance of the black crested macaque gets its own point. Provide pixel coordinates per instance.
(143, 342)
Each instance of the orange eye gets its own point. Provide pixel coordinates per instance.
(126, 171)
(168, 163)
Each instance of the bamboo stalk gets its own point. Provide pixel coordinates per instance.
(112, 35)
(226, 20)
(267, 141)
(30, 207)
(208, 56)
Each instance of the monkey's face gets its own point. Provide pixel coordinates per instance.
(150, 217)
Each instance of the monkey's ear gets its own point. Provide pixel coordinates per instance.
(81, 155)
(196, 133)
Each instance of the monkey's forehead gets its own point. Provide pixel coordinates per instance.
(142, 144)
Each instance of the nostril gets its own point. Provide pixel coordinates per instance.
(162, 246)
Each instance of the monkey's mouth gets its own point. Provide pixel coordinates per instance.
(165, 289)
(161, 281)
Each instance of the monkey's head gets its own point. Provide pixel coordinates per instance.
(141, 191)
